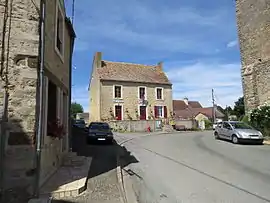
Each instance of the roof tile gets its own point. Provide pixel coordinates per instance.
(119, 71)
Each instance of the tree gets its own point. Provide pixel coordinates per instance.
(76, 108)
(239, 108)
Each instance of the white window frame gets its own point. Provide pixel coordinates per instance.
(122, 111)
(121, 91)
(162, 112)
(59, 8)
(162, 93)
(140, 112)
(145, 90)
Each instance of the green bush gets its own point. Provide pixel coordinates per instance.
(260, 119)
(208, 124)
(245, 119)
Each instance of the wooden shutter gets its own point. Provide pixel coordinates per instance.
(156, 111)
(165, 111)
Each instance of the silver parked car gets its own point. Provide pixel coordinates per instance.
(236, 132)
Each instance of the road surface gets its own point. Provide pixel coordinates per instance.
(193, 167)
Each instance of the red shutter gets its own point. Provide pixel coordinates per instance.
(165, 111)
(156, 111)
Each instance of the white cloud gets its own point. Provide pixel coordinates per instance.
(196, 81)
(232, 44)
(133, 23)
(80, 95)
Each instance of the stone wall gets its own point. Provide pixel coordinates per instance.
(130, 100)
(135, 126)
(254, 37)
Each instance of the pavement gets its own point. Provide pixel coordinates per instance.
(194, 167)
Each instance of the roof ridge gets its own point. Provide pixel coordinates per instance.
(130, 63)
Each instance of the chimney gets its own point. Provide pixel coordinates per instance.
(186, 101)
(160, 65)
(98, 58)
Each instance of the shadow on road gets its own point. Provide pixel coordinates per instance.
(104, 156)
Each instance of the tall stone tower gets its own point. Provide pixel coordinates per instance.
(254, 37)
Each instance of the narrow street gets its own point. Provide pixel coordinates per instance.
(194, 167)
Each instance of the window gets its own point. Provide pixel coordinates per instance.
(227, 126)
(159, 93)
(160, 111)
(59, 30)
(118, 112)
(142, 93)
(118, 92)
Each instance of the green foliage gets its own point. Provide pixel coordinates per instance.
(76, 108)
(239, 108)
(245, 119)
(260, 119)
(208, 124)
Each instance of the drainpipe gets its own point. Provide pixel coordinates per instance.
(41, 91)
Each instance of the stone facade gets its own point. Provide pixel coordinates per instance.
(23, 76)
(254, 34)
(130, 77)
(130, 102)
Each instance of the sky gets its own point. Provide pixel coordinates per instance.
(196, 40)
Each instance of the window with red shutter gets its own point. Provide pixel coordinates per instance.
(156, 111)
(165, 111)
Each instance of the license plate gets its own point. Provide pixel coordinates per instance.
(101, 138)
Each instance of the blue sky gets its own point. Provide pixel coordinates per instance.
(196, 40)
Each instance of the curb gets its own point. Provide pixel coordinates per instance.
(120, 181)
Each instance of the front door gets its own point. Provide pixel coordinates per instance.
(118, 112)
(142, 112)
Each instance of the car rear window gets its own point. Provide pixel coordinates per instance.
(80, 122)
(103, 126)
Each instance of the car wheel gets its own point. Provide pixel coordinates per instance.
(216, 136)
(235, 139)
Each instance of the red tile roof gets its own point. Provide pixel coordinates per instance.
(119, 71)
(181, 105)
(193, 112)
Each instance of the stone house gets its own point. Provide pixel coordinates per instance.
(188, 110)
(126, 91)
(254, 39)
(23, 77)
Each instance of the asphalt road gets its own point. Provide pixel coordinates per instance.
(193, 167)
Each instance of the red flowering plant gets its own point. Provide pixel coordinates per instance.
(56, 129)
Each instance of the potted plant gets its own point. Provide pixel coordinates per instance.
(56, 129)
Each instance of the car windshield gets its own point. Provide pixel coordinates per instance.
(240, 125)
(80, 122)
(99, 126)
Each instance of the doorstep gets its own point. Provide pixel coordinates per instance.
(69, 180)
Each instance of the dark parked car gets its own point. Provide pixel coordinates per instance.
(99, 131)
(79, 124)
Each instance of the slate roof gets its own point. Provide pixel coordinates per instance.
(119, 71)
(181, 105)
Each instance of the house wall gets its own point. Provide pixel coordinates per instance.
(23, 76)
(253, 31)
(201, 117)
(94, 91)
(56, 70)
(135, 126)
(130, 99)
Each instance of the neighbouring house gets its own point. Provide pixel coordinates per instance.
(125, 91)
(193, 110)
(23, 77)
(253, 23)
(84, 116)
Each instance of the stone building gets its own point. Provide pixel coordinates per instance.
(254, 37)
(125, 91)
(23, 78)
